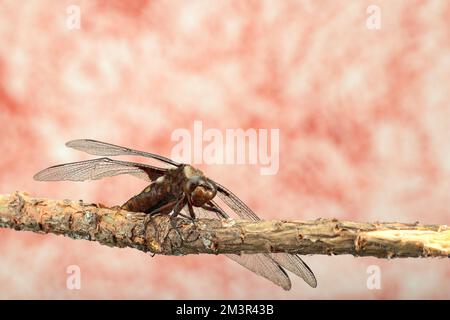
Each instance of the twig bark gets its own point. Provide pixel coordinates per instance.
(119, 228)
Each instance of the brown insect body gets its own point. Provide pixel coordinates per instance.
(166, 189)
(184, 182)
(181, 188)
(161, 191)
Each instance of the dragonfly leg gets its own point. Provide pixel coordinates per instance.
(191, 211)
(180, 203)
(171, 204)
(184, 216)
(216, 210)
(164, 207)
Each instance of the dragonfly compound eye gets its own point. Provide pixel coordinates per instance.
(201, 195)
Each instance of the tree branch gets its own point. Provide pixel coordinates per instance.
(119, 228)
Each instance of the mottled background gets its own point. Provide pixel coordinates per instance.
(364, 121)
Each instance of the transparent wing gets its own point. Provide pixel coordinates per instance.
(201, 213)
(291, 262)
(261, 263)
(99, 148)
(97, 169)
(296, 265)
(236, 204)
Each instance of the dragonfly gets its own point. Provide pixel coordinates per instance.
(177, 189)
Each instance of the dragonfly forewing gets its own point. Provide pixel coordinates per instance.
(99, 148)
(97, 169)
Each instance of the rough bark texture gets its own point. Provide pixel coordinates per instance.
(120, 228)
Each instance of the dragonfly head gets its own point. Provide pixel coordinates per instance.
(199, 190)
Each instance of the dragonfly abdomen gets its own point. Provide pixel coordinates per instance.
(158, 194)
(147, 200)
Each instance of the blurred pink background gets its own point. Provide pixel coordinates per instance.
(364, 119)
